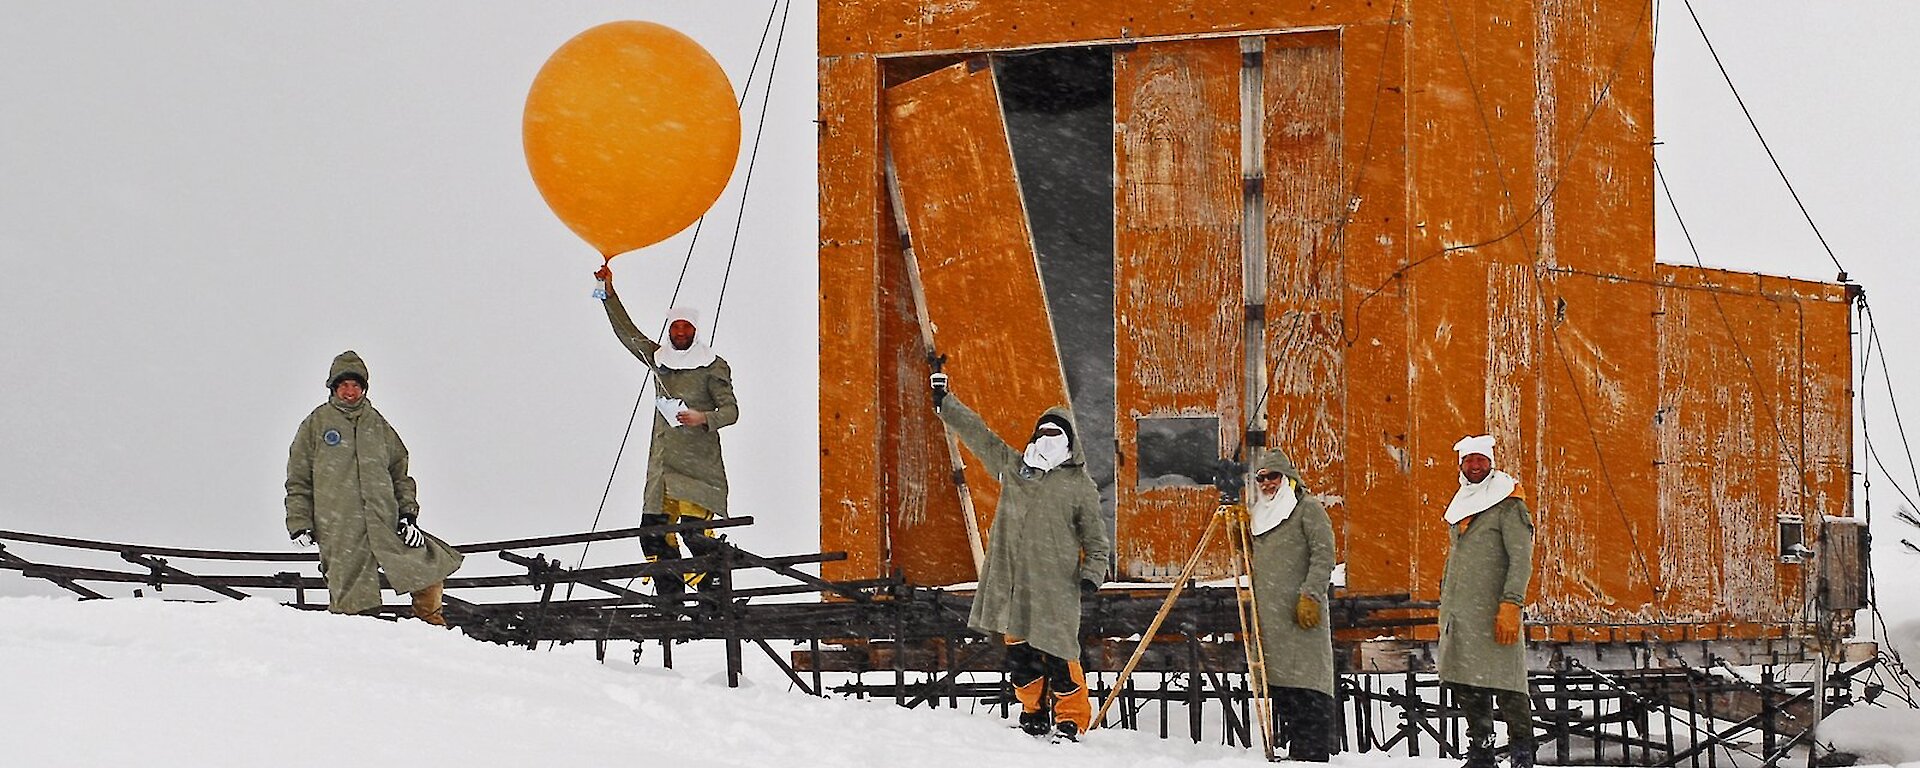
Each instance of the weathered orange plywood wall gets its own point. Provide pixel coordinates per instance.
(1177, 213)
(1458, 239)
(1375, 518)
(851, 221)
(1754, 399)
(1305, 190)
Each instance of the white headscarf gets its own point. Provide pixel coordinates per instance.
(1271, 511)
(1480, 444)
(1048, 451)
(696, 355)
(1474, 498)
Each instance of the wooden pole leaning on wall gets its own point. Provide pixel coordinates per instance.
(935, 361)
(1234, 516)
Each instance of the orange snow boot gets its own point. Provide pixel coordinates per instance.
(428, 602)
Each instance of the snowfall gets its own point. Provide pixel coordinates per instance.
(165, 684)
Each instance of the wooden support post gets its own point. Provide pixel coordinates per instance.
(539, 615)
(1363, 714)
(1563, 741)
(1340, 697)
(1712, 759)
(1450, 724)
(729, 619)
(1768, 721)
(1599, 724)
(899, 654)
(813, 647)
(1166, 705)
(1195, 698)
(299, 589)
(959, 668)
(1666, 702)
(1410, 715)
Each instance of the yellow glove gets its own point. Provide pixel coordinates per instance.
(1306, 613)
(1506, 624)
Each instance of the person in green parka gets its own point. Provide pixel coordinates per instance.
(1489, 564)
(686, 473)
(348, 491)
(1047, 548)
(1292, 562)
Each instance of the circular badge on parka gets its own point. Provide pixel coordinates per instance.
(332, 437)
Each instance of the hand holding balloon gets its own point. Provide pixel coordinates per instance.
(603, 283)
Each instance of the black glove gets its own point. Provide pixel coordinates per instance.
(410, 532)
(1087, 588)
(303, 537)
(939, 383)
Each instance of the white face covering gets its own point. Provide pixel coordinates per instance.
(1048, 451)
(1270, 511)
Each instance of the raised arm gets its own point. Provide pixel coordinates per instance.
(628, 333)
(993, 452)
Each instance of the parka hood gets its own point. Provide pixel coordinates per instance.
(1064, 414)
(345, 363)
(1277, 461)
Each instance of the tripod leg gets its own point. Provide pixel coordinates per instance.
(1193, 562)
(1248, 607)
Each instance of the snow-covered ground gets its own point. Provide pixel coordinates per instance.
(1887, 733)
(170, 684)
(162, 684)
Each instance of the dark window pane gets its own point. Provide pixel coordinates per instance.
(1178, 451)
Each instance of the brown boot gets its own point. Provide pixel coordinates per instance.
(427, 604)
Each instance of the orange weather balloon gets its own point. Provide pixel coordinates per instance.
(631, 132)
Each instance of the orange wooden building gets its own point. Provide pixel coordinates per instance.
(1355, 231)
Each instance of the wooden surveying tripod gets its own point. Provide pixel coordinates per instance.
(1232, 515)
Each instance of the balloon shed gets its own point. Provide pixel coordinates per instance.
(1355, 232)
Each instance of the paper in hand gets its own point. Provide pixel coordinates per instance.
(670, 407)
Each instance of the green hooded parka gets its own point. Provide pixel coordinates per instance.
(683, 462)
(347, 482)
(1488, 563)
(1294, 559)
(1048, 535)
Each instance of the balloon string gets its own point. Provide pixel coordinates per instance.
(746, 184)
(747, 87)
(693, 242)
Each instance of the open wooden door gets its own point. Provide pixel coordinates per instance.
(957, 194)
(1178, 296)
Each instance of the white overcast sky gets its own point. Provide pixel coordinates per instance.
(201, 203)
